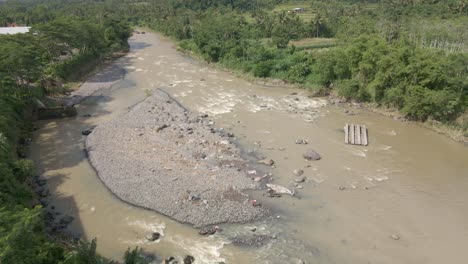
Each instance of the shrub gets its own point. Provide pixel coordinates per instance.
(422, 103)
(350, 89)
(23, 168)
(263, 69)
(299, 72)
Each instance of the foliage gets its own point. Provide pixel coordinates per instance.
(134, 256)
(20, 239)
(382, 57)
(57, 45)
(22, 168)
(407, 54)
(84, 252)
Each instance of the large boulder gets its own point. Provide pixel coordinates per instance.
(311, 154)
(189, 259)
(153, 236)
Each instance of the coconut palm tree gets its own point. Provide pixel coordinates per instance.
(317, 22)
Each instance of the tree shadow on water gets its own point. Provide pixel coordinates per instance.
(63, 208)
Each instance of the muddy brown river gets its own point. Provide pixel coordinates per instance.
(402, 199)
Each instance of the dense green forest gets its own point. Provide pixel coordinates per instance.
(56, 47)
(403, 54)
(410, 55)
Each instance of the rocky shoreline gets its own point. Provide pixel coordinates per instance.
(162, 157)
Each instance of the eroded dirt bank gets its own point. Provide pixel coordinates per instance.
(162, 157)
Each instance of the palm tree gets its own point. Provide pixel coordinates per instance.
(317, 22)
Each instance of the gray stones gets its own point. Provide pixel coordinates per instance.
(189, 259)
(170, 260)
(298, 172)
(300, 179)
(280, 189)
(257, 179)
(160, 128)
(268, 162)
(209, 230)
(311, 154)
(252, 241)
(153, 236)
(272, 193)
(172, 174)
(194, 197)
(302, 142)
(86, 132)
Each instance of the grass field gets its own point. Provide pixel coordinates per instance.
(307, 15)
(310, 9)
(313, 43)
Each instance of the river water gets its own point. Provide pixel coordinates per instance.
(409, 183)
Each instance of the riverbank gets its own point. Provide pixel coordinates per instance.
(454, 130)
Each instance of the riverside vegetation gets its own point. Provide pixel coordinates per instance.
(405, 54)
(32, 66)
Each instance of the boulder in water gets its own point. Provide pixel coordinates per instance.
(189, 259)
(311, 155)
(87, 131)
(300, 179)
(298, 172)
(153, 236)
(268, 162)
(209, 230)
(280, 189)
(302, 142)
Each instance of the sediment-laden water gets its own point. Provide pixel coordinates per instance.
(402, 199)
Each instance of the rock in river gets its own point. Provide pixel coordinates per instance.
(302, 142)
(86, 132)
(280, 189)
(298, 172)
(209, 230)
(268, 162)
(252, 240)
(311, 155)
(153, 236)
(189, 259)
(300, 179)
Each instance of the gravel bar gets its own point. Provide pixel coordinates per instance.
(162, 157)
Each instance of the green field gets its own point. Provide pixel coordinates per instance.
(307, 15)
(311, 9)
(313, 43)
